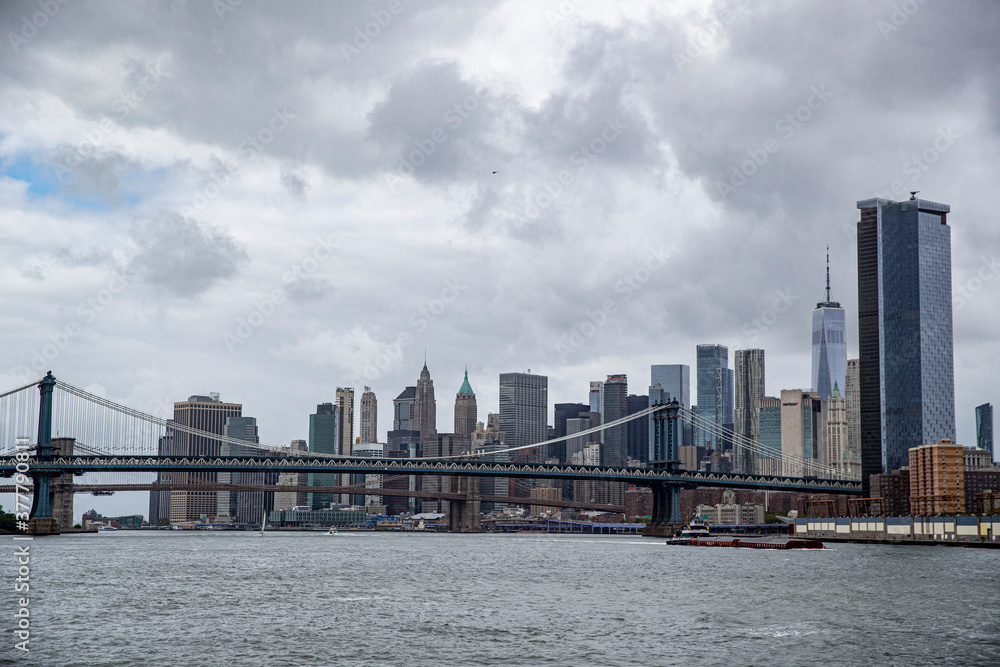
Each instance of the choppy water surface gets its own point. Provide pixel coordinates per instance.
(180, 598)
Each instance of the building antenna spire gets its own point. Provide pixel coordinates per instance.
(828, 273)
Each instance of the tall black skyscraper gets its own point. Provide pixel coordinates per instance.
(637, 432)
(524, 407)
(984, 427)
(563, 412)
(615, 451)
(907, 374)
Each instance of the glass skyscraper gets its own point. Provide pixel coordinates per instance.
(524, 407)
(907, 373)
(984, 427)
(715, 394)
(615, 452)
(748, 393)
(829, 344)
(324, 438)
(676, 382)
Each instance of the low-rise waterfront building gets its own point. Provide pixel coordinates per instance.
(894, 490)
(937, 478)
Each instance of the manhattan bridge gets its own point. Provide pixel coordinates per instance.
(112, 447)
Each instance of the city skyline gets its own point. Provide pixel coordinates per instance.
(600, 203)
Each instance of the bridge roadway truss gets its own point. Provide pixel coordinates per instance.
(78, 465)
(346, 490)
(664, 477)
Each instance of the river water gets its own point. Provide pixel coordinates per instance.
(358, 598)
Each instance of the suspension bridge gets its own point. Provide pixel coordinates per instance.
(97, 438)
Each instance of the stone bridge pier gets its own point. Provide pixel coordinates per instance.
(464, 515)
(666, 519)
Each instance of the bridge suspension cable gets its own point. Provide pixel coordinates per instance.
(92, 420)
(167, 425)
(18, 417)
(596, 429)
(752, 446)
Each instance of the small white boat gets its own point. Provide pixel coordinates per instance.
(106, 529)
(693, 530)
(263, 522)
(332, 531)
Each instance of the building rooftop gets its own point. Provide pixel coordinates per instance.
(466, 388)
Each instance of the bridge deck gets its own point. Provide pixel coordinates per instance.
(639, 476)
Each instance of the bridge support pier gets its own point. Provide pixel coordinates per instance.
(464, 515)
(666, 518)
(42, 522)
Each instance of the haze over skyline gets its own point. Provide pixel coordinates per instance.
(267, 201)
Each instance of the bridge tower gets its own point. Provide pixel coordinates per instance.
(464, 515)
(666, 496)
(42, 522)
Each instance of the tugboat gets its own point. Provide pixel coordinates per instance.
(694, 530)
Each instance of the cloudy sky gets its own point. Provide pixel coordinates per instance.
(270, 200)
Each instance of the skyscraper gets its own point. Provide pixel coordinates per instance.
(637, 430)
(852, 404)
(159, 501)
(984, 427)
(907, 374)
(837, 453)
(829, 343)
(803, 433)
(345, 410)
(206, 413)
(596, 395)
(676, 382)
(242, 506)
(770, 436)
(749, 392)
(425, 411)
(465, 409)
(576, 425)
(485, 440)
(324, 438)
(563, 413)
(615, 407)
(403, 410)
(369, 416)
(524, 407)
(715, 394)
